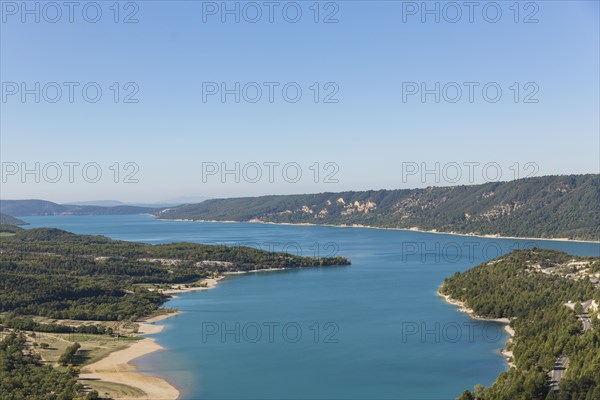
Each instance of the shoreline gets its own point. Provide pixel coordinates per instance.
(210, 283)
(462, 307)
(360, 226)
(118, 366)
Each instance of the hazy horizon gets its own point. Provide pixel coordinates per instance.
(177, 114)
(199, 199)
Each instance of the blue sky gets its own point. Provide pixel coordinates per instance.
(368, 137)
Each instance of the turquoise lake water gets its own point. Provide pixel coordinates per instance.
(372, 330)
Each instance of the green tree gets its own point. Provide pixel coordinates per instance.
(68, 356)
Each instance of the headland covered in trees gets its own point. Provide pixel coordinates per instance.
(550, 299)
(70, 304)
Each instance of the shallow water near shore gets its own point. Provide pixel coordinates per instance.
(376, 329)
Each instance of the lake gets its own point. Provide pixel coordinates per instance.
(374, 330)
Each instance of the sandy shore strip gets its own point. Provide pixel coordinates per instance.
(361, 226)
(177, 289)
(210, 283)
(257, 271)
(117, 367)
(462, 307)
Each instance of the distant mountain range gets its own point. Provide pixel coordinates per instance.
(545, 207)
(19, 208)
(10, 220)
(162, 204)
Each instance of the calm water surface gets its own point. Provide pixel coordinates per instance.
(372, 330)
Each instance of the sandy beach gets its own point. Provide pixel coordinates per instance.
(463, 308)
(117, 367)
(256, 271)
(210, 283)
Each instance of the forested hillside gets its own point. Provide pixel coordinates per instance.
(53, 281)
(547, 207)
(57, 274)
(42, 207)
(6, 219)
(24, 376)
(520, 286)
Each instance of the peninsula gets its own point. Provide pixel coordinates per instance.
(73, 307)
(532, 289)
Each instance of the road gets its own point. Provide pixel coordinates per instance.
(560, 365)
(585, 317)
(587, 323)
(557, 373)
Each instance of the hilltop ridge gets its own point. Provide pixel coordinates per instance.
(544, 207)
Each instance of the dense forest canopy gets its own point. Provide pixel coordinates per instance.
(9, 229)
(514, 287)
(58, 274)
(23, 376)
